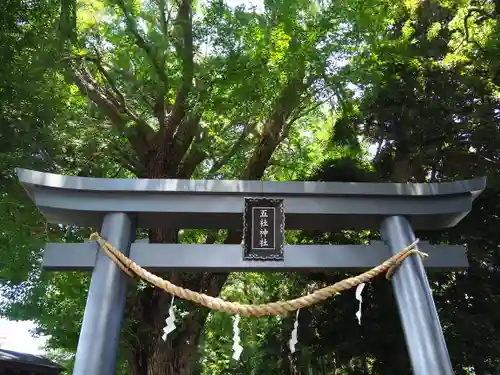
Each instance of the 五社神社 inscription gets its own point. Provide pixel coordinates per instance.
(263, 229)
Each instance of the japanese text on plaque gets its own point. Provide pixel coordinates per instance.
(263, 227)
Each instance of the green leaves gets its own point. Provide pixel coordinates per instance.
(434, 30)
(297, 91)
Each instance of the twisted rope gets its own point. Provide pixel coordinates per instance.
(273, 308)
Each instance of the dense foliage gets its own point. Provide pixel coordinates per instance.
(286, 90)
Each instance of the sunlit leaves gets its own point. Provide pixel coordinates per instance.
(280, 43)
(434, 30)
(412, 6)
(91, 13)
(407, 31)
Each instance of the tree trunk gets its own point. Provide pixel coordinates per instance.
(177, 356)
(401, 172)
(179, 353)
(161, 154)
(149, 354)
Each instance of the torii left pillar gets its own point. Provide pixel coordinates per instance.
(100, 334)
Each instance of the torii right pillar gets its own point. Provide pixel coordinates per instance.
(419, 317)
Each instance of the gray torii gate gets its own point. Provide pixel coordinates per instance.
(119, 206)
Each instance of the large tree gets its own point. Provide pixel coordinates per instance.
(179, 89)
(203, 90)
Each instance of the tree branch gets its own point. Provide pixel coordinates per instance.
(67, 20)
(112, 108)
(165, 20)
(190, 162)
(304, 111)
(272, 134)
(471, 11)
(90, 88)
(141, 42)
(130, 162)
(152, 54)
(184, 137)
(110, 80)
(147, 101)
(126, 74)
(185, 22)
(225, 159)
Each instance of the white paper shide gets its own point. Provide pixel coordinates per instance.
(359, 290)
(170, 321)
(237, 348)
(293, 340)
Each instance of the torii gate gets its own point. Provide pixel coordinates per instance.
(120, 206)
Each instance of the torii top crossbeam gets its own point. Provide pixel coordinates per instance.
(219, 203)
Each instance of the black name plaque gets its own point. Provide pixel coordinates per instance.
(263, 229)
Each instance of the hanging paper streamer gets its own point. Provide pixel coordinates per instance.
(293, 341)
(359, 290)
(170, 321)
(237, 348)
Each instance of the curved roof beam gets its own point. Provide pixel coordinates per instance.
(186, 204)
